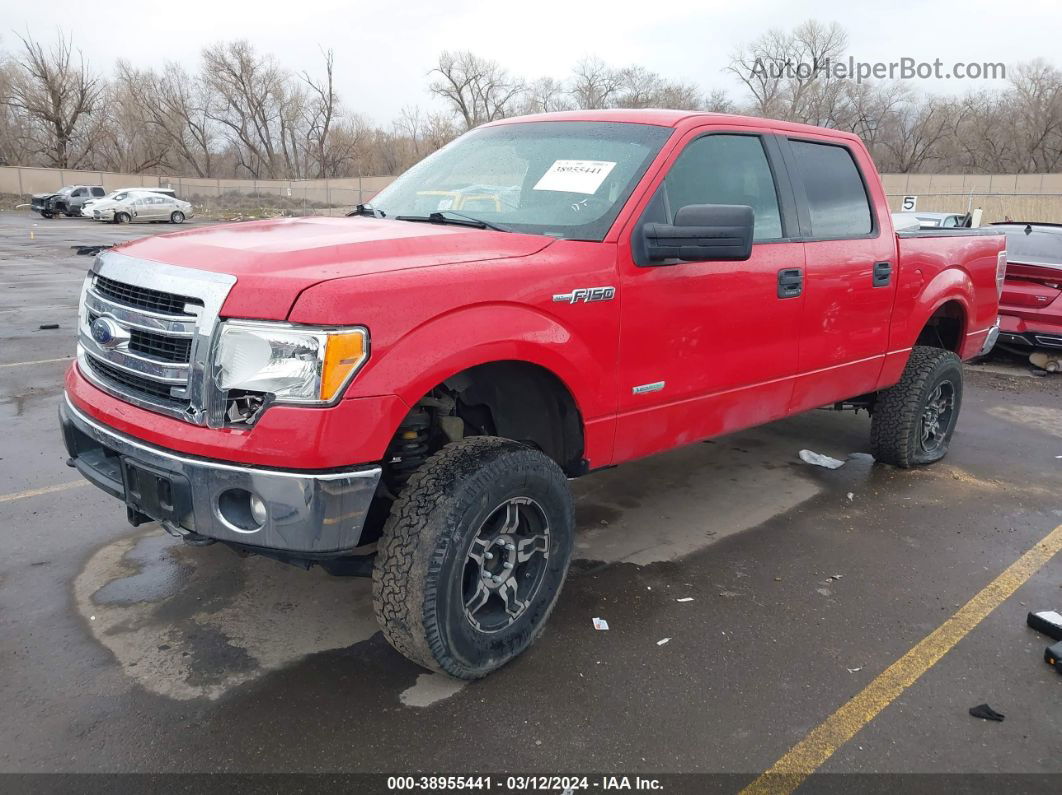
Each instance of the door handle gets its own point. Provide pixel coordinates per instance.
(790, 282)
(882, 274)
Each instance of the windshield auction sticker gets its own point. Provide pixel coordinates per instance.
(575, 176)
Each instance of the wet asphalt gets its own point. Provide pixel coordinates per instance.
(123, 650)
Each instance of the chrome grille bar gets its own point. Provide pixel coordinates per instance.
(119, 303)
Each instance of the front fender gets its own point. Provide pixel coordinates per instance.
(447, 344)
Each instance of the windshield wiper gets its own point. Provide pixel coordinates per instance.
(365, 209)
(461, 220)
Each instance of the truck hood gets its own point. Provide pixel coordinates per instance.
(274, 261)
(44, 195)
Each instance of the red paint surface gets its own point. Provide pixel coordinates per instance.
(438, 300)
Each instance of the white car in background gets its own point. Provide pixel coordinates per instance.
(143, 206)
(89, 206)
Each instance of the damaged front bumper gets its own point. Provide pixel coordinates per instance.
(293, 512)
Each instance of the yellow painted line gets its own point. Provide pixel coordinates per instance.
(823, 741)
(39, 361)
(22, 495)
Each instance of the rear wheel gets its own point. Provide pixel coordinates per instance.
(914, 421)
(473, 556)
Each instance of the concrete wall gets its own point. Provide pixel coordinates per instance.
(24, 181)
(1027, 197)
(1020, 197)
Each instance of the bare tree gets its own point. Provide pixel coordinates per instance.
(788, 74)
(321, 112)
(256, 105)
(57, 94)
(477, 89)
(918, 129)
(595, 84)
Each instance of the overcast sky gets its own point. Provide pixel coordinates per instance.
(385, 50)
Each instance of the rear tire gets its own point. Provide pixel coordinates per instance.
(914, 421)
(473, 556)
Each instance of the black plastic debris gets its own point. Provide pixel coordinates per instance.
(1053, 656)
(48, 326)
(985, 712)
(91, 251)
(1049, 622)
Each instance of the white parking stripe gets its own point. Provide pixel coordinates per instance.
(39, 361)
(21, 495)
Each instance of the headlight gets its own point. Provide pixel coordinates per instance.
(293, 364)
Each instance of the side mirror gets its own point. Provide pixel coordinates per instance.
(702, 232)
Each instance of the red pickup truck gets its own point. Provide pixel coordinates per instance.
(409, 389)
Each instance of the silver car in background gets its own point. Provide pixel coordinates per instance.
(143, 206)
(89, 206)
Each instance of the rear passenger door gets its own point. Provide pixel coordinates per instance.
(850, 272)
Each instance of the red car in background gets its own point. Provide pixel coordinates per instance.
(1030, 307)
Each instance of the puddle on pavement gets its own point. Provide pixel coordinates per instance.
(667, 506)
(187, 622)
(1040, 418)
(430, 689)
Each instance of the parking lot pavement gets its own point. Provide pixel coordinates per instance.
(784, 590)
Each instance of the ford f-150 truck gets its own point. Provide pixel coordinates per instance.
(407, 390)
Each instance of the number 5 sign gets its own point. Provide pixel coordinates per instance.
(909, 203)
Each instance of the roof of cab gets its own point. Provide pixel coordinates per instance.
(672, 118)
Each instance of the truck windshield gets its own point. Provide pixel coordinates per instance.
(564, 179)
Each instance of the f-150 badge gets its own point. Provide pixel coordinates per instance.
(586, 295)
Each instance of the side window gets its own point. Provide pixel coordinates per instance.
(837, 198)
(726, 169)
(78, 192)
(97, 192)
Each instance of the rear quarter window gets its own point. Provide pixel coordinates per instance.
(837, 197)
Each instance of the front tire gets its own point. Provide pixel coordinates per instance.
(914, 421)
(122, 218)
(176, 217)
(473, 556)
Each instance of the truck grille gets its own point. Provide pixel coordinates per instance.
(143, 297)
(156, 345)
(145, 331)
(135, 383)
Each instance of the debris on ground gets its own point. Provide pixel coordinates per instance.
(1053, 656)
(833, 578)
(985, 712)
(854, 670)
(662, 641)
(48, 326)
(1049, 622)
(824, 591)
(91, 251)
(685, 599)
(1051, 362)
(600, 624)
(820, 460)
(851, 496)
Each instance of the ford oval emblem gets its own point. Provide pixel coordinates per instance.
(105, 331)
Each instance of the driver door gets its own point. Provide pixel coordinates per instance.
(710, 347)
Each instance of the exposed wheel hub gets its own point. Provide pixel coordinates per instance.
(505, 564)
(936, 416)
